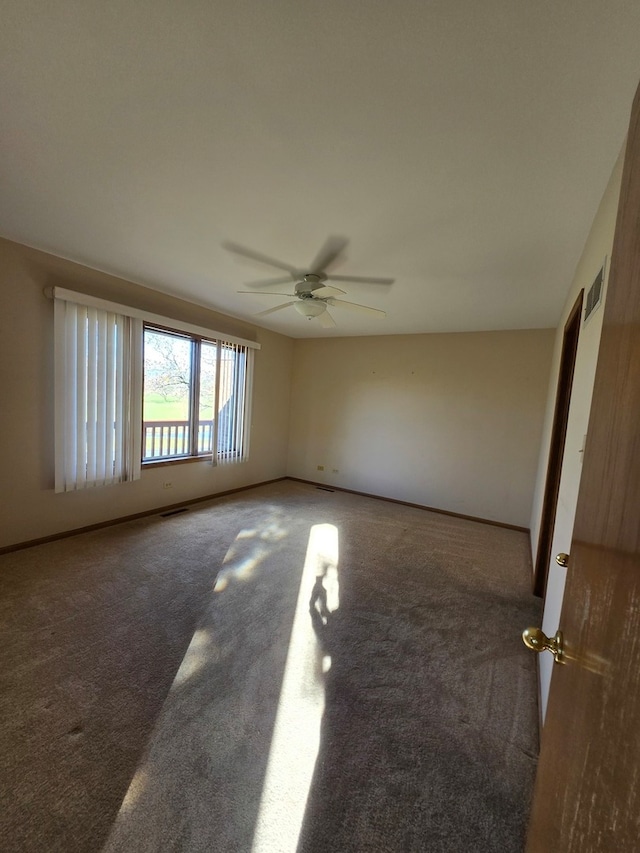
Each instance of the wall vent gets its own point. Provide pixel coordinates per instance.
(594, 296)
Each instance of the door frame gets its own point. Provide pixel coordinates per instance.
(556, 446)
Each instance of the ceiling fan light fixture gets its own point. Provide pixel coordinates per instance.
(310, 308)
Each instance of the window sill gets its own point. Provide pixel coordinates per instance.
(175, 460)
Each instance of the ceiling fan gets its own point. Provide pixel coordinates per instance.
(312, 295)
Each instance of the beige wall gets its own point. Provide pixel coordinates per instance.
(598, 245)
(451, 421)
(30, 507)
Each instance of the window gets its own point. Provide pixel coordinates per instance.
(195, 397)
(130, 388)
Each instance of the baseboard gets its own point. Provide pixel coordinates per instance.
(414, 505)
(18, 546)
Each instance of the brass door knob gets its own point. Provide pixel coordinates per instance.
(562, 560)
(537, 640)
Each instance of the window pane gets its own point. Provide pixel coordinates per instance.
(207, 396)
(167, 395)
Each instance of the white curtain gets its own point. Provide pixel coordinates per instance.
(234, 379)
(98, 387)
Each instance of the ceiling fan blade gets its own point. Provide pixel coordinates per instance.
(258, 256)
(269, 282)
(267, 293)
(277, 308)
(353, 306)
(328, 254)
(360, 279)
(326, 320)
(327, 291)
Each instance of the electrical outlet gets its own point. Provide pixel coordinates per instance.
(167, 484)
(320, 467)
(335, 471)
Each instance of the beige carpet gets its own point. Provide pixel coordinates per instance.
(355, 682)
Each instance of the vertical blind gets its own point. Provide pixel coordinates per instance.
(98, 374)
(234, 378)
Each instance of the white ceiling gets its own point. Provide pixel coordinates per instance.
(461, 146)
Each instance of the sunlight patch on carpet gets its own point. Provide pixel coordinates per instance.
(135, 791)
(198, 655)
(248, 551)
(296, 736)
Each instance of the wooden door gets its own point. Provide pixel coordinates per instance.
(587, 792)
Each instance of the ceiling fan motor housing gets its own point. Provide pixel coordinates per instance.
(308, 283)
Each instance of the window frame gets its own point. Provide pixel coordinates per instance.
(196, 341)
